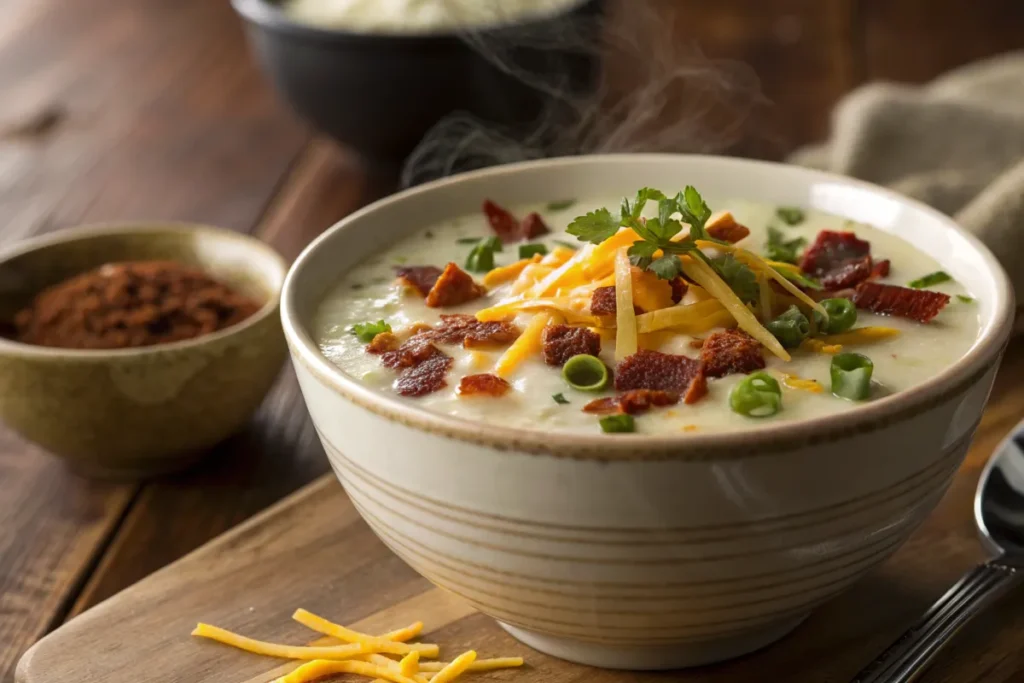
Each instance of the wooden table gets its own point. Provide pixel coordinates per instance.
(130, 109)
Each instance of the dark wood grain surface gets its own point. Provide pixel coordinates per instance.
(133, 109)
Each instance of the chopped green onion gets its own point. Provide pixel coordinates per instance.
(790, 215)
(528, 250)
(842, 315)
(936, 278)
(468, 240)
(567, 245)
(799, 278)
(585, 373)
(480, 260)
(965, 299)
(367, 331)
(851, 376)
(400, 259)
(790, 328)
(561, 205)
(618, 424)
(759, 395)
(493, 243)
(560, 399)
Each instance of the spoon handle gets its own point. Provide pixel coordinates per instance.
(909, 656)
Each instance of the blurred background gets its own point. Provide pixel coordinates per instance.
(141, 109)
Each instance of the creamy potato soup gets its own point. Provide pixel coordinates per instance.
(750, 315)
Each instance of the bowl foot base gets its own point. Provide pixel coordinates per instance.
(655, 658)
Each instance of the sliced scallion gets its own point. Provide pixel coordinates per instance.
(528, 250)
(851, 376)
(365, 332)
(936, 278)
(790, 215)
(585, 373)
(561, 205)
(758, 395)
(842, 315)
(560, 399)
(790, 328)
(618, 424)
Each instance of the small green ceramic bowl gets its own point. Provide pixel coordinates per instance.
(144, 411)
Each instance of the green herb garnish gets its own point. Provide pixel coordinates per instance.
(561, 205)
(365, 332)
(740, 278)
(528, 250)
(585, 373)
(759, 395)
(468, 240)
(936, 278)
(778, 248)
(655, 233)
(965, 299)
(851, 376)
(842, 315)
(790, 328)
(790, 215)
(560, 399)
(481, 259)
(618, 424)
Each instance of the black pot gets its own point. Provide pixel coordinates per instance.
(380, 93)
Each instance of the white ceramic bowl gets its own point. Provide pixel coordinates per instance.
(629, 551)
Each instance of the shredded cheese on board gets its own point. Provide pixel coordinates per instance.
(365, 654)
(529, 343)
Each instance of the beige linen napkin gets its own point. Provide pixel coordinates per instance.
(956, 144)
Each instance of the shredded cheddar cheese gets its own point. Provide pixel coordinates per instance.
(818, 346)
(503, 274)
(453, 670)
(364, 655)
(528, 344)
(558, 256)
(706, 277)
(689, 319)
(601, 261)
(625, 318)
(332, 652)
(795, 382)
(321, 668)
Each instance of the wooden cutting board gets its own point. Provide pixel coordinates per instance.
(312, 550)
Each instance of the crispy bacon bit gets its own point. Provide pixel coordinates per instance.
(655, 370)
(602, 301)
(838, 259)
(453, 287)
(679, 289)
(459, 328)
(731, 351)
(632, 402)
(532, 226)
(411, 352)
(426, 376)
(880, 270)
(916, 304)
(382, 343)
(562, 342)
(483, 385)
(420, 279)
(502, 222)
(727, 229)
(508, 228)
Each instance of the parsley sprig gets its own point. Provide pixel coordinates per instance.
(655, 233)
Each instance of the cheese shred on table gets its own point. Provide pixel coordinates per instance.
(373, 657)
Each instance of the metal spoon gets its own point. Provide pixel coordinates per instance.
(999, 514)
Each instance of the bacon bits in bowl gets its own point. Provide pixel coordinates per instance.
(646, 411)
(129, 350)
